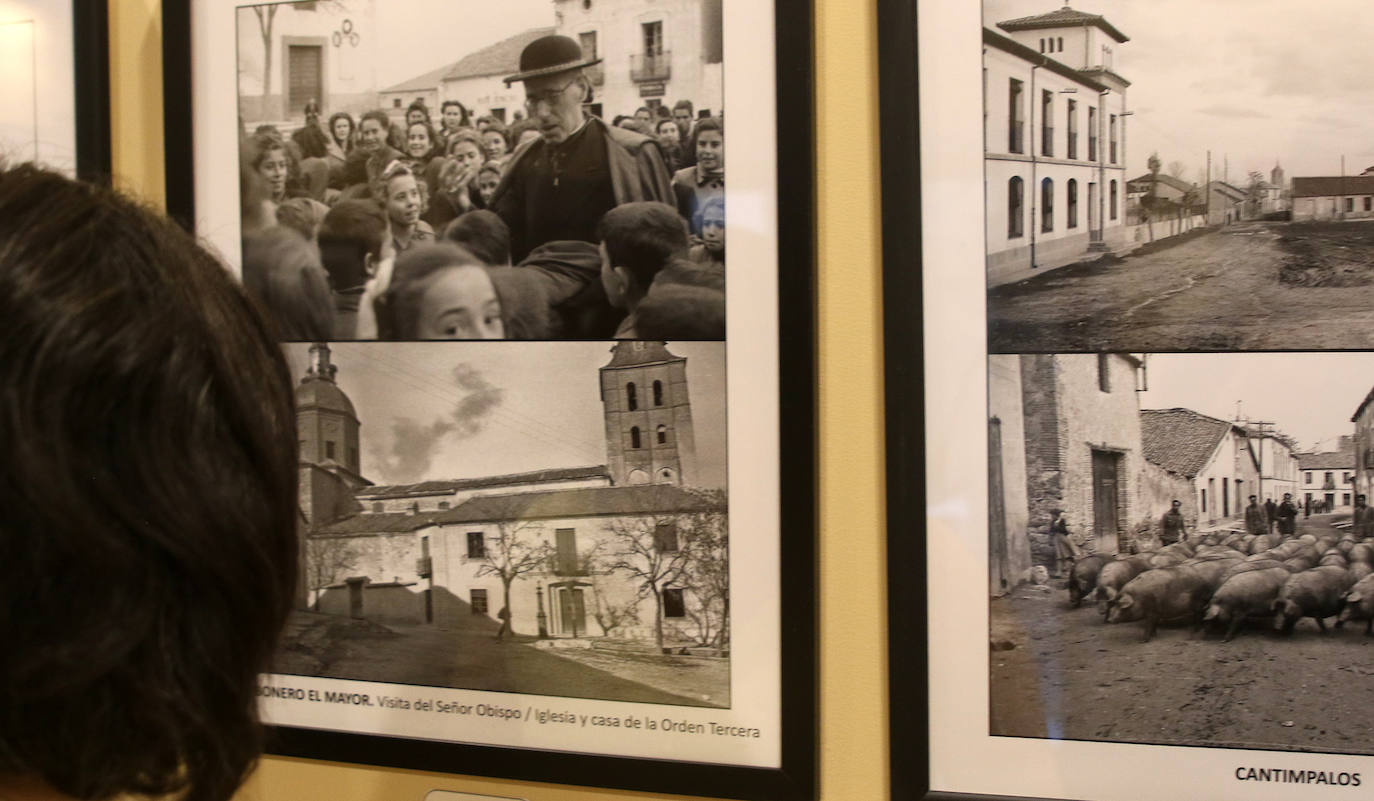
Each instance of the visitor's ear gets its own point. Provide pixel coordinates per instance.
(624, 280)
(370, 265)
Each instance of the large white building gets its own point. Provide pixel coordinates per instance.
(1054, 139)
(1333, 198)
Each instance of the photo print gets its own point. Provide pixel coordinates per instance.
(38, 94)
(547, 519)
(1152, 184)
(1180, 548)
(532, 170)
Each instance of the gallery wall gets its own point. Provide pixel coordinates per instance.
(853, 625)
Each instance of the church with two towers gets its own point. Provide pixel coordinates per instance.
(539, 543)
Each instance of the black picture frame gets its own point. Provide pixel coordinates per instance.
(796, 779)
(91, 56)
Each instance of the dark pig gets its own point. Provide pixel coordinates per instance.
(1083, 578)
(1166, 593)
(1243, 595)
(1315, 593)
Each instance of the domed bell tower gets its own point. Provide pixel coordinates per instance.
(648, 415)
(327, 432)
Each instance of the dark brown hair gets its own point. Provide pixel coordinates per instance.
(148, 548)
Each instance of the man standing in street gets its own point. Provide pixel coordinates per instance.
(558, 187)
(1361, 518)
(1256, 521)
(1269, 511)
(1173, 528)
(1287, 517)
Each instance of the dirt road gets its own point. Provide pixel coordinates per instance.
(1258, 286)
(1071, 676)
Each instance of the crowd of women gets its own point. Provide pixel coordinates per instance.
(357, 229)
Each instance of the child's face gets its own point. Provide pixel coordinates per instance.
(273, 168)
(713, 231)
(371, 134)
(403, 200)
(467, 155)
(453, 118)
(494, 143)
(710, 149)
(615, 292)
(486, 185)
(417, 141)
(460, 303)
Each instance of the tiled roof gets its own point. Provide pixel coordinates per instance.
(1344, 458)
(1180, 440)
(381, 523)
(1355, 418)
(1333, 186)
(451, 486)
(1223, 188)
(502, 58)
(631, 500)
(430, 80)
(1063, 18)
(1168, 180)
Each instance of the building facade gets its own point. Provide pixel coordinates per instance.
(1334, 198)
(1082, 449)
(1331, 476)
(1214, 456)
(1054, 140)
(1363, 445)
(569, 552)
(1278, 464)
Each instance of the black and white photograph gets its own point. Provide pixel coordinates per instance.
(544, 519)
(1176, 176)
(528, 170)
(37, 90)
(1180, 548)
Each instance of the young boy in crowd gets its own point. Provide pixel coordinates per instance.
(637, 241)
(710, 252)
(353, 241)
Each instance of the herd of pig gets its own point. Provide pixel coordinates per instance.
(1225, 578)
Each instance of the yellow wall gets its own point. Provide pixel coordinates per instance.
(853, 612)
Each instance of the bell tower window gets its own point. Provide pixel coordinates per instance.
(631, 397)
(634, 437)
(658, 393)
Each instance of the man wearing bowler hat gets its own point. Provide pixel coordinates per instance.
(559, 185)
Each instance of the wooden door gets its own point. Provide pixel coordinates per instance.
(1105, 498)
(305, 75)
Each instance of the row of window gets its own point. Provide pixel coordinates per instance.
(1350, 204)
(565, 543)
(1054, 44)
(1328, 477)
(632, 395)
(673, 602)
(660, 435)
(1016, 117)
(1016, 204)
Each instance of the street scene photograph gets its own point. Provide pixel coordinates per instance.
(545, 519)
(1180, 548)
(1169, 175)
(536, 169)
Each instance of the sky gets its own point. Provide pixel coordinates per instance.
(1254, 81)
(1309, 396)
(440, 410)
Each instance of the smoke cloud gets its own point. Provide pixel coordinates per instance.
(414, 444)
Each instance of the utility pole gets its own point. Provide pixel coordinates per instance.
(1260, 424)
(1208, 188)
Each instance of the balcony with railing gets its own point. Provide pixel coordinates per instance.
(645, 67)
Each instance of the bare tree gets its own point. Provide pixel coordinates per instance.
(1176, 169)
(517, 548)
(266, 14)
(327, 560)
(707, 538)
(607, 614)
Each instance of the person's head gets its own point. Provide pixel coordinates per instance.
(1176, 505)
(1288, 496)
(341, 129)
(373, 129)
(439, 291)
(713, 225)
(454, 115)
(398, 194)
(682, 115)
(1254, 500)
(419, 139)
(494, 143)
(708, 143)
(282, 271)
(351, 239)
(302, 215)
(483, 234)
(417, 112)
(488, 178)
(1055, 513)
(637, 240)
(465, 147)
(272, 162)
(555, 86)
(149, 493)
(644, 114)
(522, 132)
(312, 112)
(681, 311)
(667, 132)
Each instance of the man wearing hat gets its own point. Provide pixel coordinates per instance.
(559, 185)
(311, 139)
